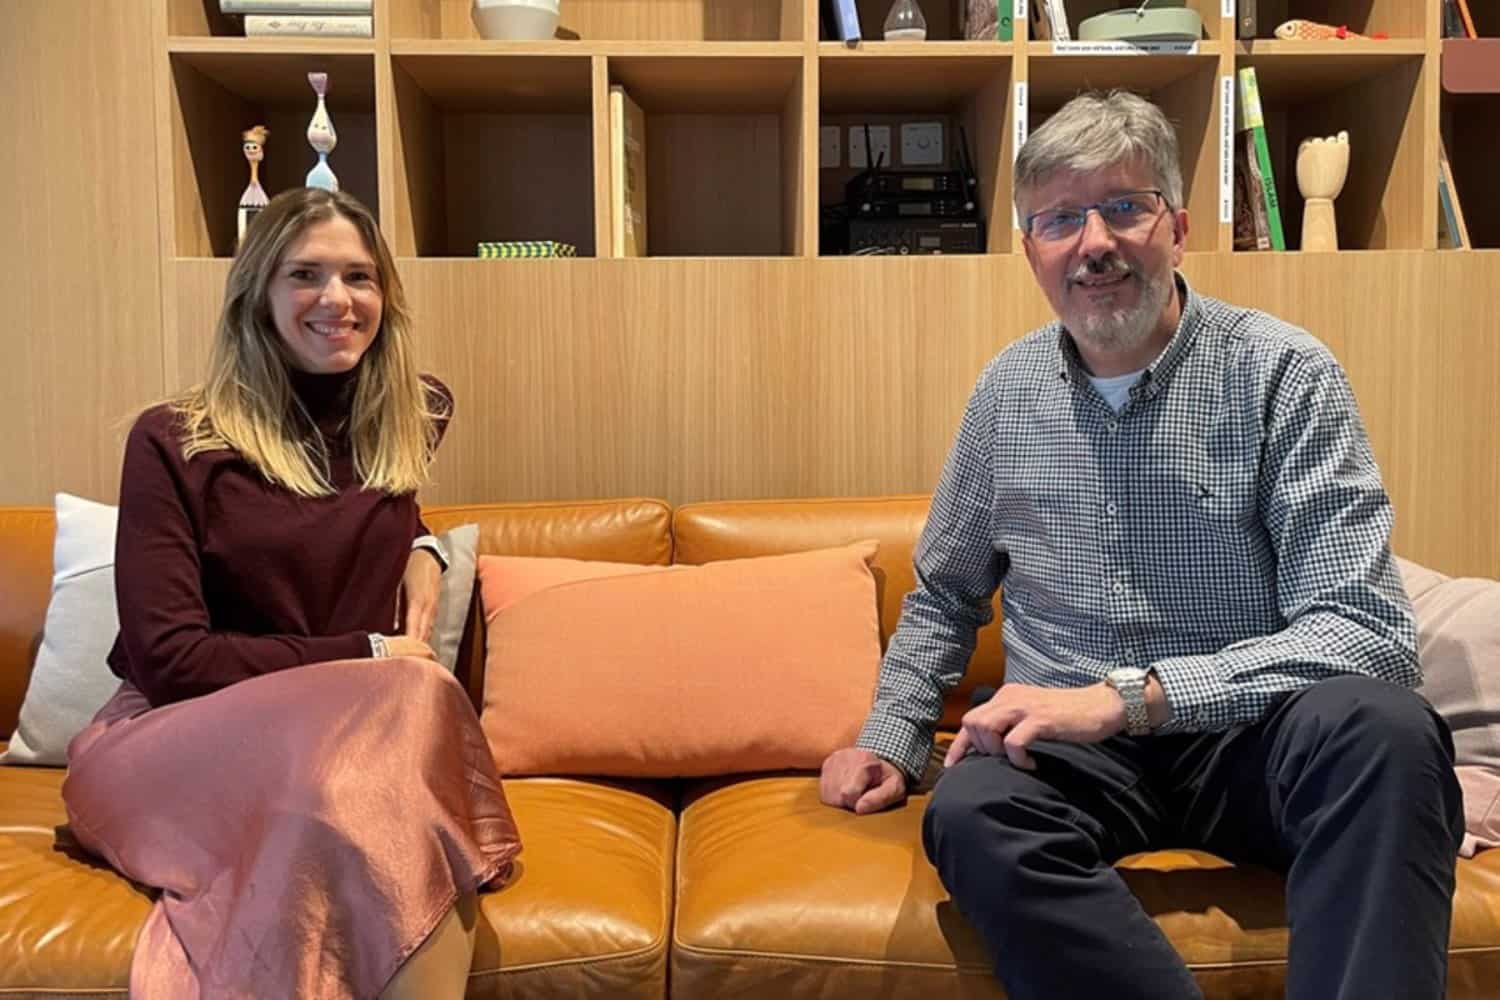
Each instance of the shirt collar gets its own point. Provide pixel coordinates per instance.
(1069, 364)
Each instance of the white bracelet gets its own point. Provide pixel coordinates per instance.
(378, 648)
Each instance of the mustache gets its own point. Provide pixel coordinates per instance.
(1096, 267)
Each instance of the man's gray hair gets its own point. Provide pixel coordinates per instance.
(1096, 130)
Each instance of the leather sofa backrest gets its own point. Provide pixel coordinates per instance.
(632, 531)
(704, 532)
(25, 585)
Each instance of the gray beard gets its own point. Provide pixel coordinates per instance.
(1125, 329)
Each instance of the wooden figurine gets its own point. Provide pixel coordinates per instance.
(253, 144)
(1322, 166)
(1299, 30)
(321, 137)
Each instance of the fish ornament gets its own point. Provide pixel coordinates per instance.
(1299, 30)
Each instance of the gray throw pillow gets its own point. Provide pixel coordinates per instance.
(455, 593)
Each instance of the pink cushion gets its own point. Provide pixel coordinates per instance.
(1458, 642)
(742, 665)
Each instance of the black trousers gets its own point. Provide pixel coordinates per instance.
(1345, 787)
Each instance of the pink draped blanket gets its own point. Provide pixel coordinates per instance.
(307, 829)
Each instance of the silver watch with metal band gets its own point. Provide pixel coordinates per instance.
(378, 648)
(1131, 683)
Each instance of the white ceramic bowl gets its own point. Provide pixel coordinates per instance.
(515, 19)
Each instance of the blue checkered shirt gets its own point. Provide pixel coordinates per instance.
(1227, 529)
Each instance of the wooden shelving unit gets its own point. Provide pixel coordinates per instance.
(453, 139)
(737, 359)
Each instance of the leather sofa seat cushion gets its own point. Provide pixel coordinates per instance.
(68, 923)
(779, 896)
(586, 915)
(588, 911)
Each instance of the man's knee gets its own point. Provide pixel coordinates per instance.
(1388, 719)
(977, 804)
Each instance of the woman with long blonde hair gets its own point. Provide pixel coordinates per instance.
(312, 796)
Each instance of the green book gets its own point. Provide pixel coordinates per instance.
(988, 20)
(1255, 122)
(512, 249)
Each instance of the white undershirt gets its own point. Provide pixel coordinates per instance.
(1116, 388)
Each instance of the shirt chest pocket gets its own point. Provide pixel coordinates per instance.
(1222, 501)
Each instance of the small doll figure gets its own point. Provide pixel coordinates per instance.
(321, 137)
(254, 197)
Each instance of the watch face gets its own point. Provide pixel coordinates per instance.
(1127, 675)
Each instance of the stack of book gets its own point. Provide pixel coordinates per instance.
(1257, 209)
(1049, 21)
(513, 249)
(304, 18)
(1458, 22)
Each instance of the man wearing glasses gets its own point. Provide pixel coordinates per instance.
(1207, 642)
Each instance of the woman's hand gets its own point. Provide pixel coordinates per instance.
(405, 645)
(419, 594)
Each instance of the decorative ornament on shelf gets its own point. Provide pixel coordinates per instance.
(905, 22)
(253, 199)
(321, 137)
(1298, 30)
(1150, 22)
(515, 20)
(1322, 166)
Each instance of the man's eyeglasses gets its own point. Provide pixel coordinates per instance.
(1124, 214)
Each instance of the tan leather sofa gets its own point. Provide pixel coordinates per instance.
(739, 887)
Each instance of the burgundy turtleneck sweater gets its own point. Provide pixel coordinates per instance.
(221, 576)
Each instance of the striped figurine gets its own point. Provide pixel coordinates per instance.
(321, 137)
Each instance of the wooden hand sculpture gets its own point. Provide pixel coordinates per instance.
(1322, 166)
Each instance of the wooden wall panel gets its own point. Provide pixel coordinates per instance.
(79, 271)
(695, 379)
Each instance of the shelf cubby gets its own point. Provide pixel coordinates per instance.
(1209, 11)
(1397, 19)
(902, 83)
(945, 21)
(621, 20)
(1473, 152)
(1377, 95)
(217, 93)
(492, 147)
(724, 146)
(201, 19)
(1182, 85)
(1470, 104)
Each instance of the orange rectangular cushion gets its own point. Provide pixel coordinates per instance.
(667, 671)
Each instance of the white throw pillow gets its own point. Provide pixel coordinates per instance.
(455, 593)
(71, 679)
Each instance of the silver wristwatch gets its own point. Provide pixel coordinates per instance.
(378, 648)
(1131, 683)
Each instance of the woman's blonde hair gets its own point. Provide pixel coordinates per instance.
(246, 403)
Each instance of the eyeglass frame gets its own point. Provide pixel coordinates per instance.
(1097, 206)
